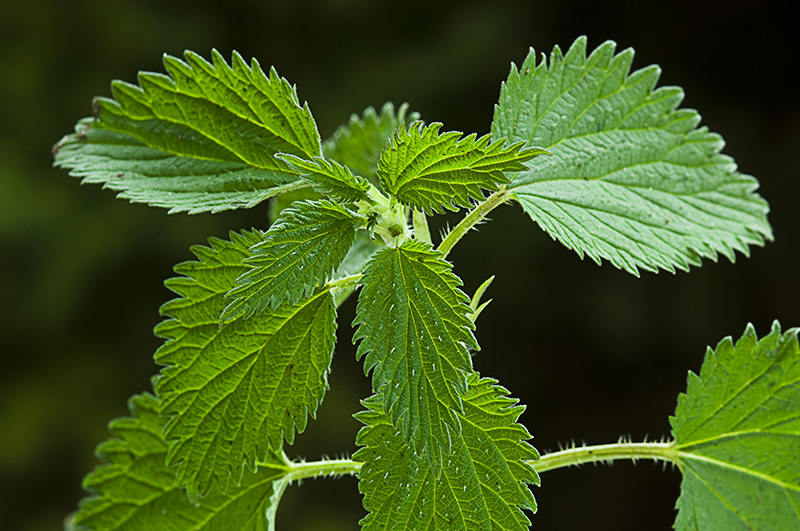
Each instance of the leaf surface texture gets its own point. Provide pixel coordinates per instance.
(134, 490)
(330, 178)
(432, 172)
(234, 391)
(298, 254)
(482, 485)
(414, 332)
(633, 179)
(737, 430)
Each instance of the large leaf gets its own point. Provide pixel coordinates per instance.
(298, 254)
(482, 485)
(203, 138)
(359, 143)
(237, 390)
(737, 432)
(134, 490)
(633, 180)
(433, 172)
(414, 331)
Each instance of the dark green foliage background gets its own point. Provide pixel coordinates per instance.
(594, 351)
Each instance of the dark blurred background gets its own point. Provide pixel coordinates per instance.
(595, 353)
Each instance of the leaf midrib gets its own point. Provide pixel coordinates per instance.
(730, 398)
(249, 359)
(687, 457)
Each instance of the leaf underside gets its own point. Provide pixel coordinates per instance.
(202, 139)
(237, 390)
(414, 331)
(134, 489)
(430, 171)
(482, 484)
(297, 255)
(633, 180)
(737, 431)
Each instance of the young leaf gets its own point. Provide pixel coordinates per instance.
(237, 390)
(296, 255)
(633, 180)
(202, 139)
(481, 486)
(475, 304)
(134, 490)
(414, 327)
(359, 143)
(432, 172)
(737, 431)
(330, 178)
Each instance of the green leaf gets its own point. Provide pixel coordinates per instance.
(134, 490)
(475, 304)
(202, 139)
(432, 172)
(414, 327)
(330, 178)
(237, 390)
(633, 180)
(481, 486)
(298, 254)
(737, 432)
(359, 143)
(181, 184)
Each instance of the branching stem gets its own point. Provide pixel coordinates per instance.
(602, 453)
(475, 216)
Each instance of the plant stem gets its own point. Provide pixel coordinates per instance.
(349, 281)
(421, 226)
(602, 453)
(606, 453)
(474, 217)
(325, 467)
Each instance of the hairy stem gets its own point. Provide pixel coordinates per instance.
(475, 216)
(349, 281)
(606, 453)
(343, 287)
(326, 467)
(602, 453)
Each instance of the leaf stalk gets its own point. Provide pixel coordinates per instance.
(606, 453)
(473, 218)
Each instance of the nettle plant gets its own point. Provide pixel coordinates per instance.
(601, 159)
